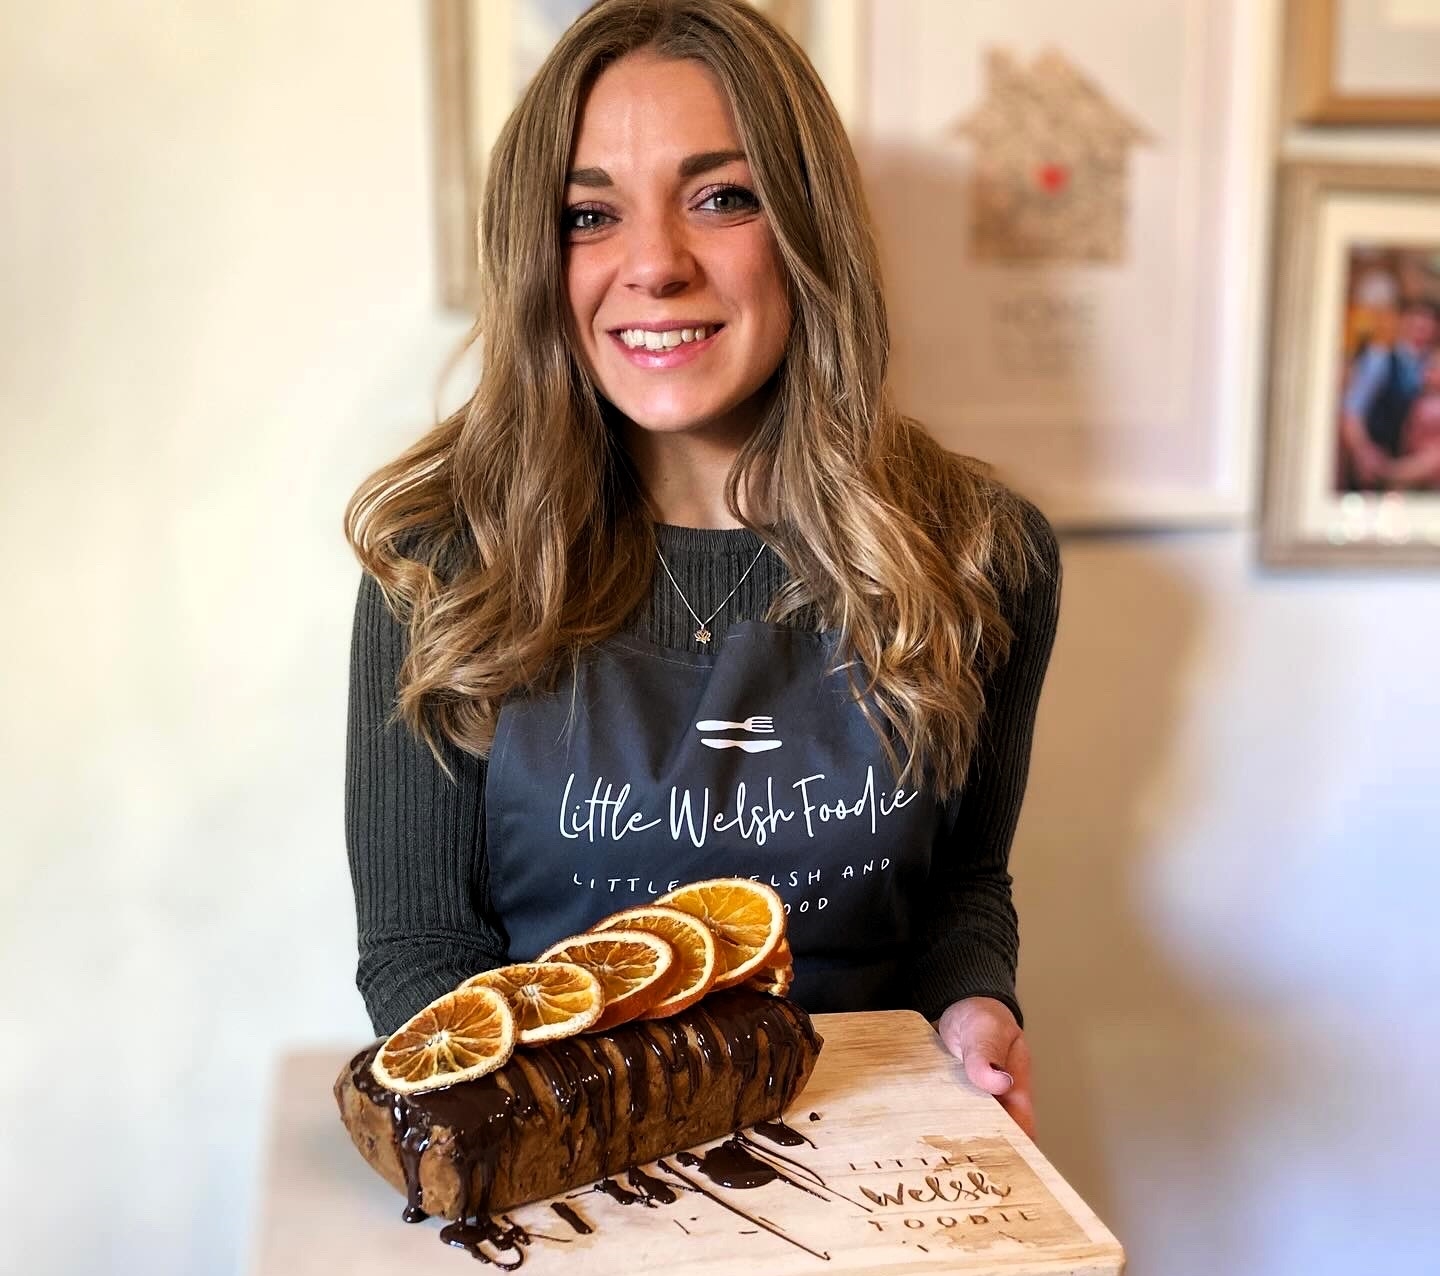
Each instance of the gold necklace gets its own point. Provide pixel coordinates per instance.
(702, 633)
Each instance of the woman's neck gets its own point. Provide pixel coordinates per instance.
(684, 477)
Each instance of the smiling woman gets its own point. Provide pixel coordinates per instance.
(671, 265)
(679, 557)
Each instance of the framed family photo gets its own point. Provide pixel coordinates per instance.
(484, 53)
(1353, 461)
(1367, 61)
(1073, 205)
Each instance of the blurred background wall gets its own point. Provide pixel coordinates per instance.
(216, 242)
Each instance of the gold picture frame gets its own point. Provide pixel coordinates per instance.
(1325, 35)
(480, 55)
(1357, 271)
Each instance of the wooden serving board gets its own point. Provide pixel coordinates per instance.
(912, 1170)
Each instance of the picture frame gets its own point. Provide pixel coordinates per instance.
(1105, 358)
(1371, 62)
(1352, 472)
(484, 51)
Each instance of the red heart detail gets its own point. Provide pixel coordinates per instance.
(1052, 178)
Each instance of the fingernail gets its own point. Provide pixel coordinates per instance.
(1009, 1080)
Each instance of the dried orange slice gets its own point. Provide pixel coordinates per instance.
(631, 965)
(775, 980)
(549, 999)
(748, 920)
(696, 959)
(457, 1037)
(778, 973)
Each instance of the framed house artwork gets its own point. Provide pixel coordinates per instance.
(1353, 463)
(483, 52)
(1073, 205)
(1045, 194)
(1366, 61)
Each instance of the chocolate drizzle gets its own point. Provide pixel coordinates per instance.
(730, 1165)
(510, 1239)
(618, 1194)
(779, 1132)
(770, 1227)
(650, 1187)
(604, 1087)
(572, 1217)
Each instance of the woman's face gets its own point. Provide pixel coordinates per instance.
(666, 246)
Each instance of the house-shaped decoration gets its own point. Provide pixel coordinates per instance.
(1051, 178)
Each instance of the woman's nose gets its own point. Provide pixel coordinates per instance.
(660, 261)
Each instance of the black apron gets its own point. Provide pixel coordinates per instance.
(609, 792)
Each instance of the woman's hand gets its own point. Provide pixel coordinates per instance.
(982, 1033)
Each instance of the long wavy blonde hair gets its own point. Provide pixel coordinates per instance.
(515, 534)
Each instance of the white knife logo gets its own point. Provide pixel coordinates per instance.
(760, 724)
(750, 746)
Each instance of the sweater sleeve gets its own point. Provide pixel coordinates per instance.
(415, 840)
(969, 941)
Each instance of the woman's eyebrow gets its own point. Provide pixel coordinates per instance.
(690, 166)
(694, 165)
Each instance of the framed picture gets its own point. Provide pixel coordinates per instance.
(1353, 465)
(485, 51)
(1366, 61)
(1073, 206)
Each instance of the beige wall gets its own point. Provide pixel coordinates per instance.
(217, 278)
(1226, 874)
(215, 237)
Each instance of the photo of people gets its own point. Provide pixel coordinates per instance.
(1389, 414)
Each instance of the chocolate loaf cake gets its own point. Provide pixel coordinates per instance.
(566, 1113)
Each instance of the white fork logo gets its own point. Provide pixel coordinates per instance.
(758, 725)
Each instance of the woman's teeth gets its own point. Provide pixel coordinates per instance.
(638, 338)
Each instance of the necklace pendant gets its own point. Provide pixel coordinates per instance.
(702, 634)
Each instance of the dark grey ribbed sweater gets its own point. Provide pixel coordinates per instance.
(417, 840)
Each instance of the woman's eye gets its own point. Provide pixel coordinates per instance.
(731, 199)
(580, 220)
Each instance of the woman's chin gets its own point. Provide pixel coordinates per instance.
(674, 421)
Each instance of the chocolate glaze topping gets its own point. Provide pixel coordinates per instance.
(607, 1078)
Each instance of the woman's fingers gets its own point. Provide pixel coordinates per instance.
(983, 1034)
(985, 1057)
(979, 1031)
(1019, 1101)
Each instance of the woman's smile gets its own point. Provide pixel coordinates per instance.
(670, 347)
